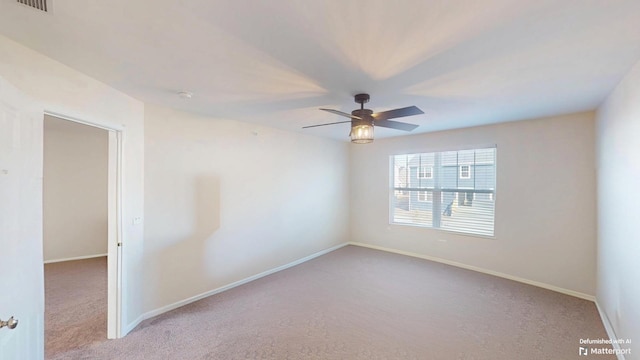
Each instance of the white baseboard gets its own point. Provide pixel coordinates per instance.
(75, 258)
(184, 302)
(610, 332)
(478, 269)
(127, 329)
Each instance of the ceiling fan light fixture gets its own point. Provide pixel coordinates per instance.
(362, 120)
(362, 133)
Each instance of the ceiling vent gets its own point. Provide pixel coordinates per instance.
(42, 5)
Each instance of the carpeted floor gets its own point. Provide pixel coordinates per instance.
(75, 305)
(354, 303)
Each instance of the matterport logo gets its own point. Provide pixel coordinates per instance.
(618, 347)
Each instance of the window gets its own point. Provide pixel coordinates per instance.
(425, 172)
(465, 172)
(425, 196)
(440, 192)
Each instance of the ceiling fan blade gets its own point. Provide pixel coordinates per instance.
(395, 125)
(339, 122)
(342, 114)
(396, 113)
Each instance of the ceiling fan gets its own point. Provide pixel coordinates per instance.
(363, 120)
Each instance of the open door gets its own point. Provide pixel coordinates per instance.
(21, 269)
(114, 223)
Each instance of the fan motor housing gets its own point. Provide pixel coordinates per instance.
(365, 114)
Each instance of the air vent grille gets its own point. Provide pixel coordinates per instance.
(36, 4)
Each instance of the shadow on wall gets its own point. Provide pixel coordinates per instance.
(174, 266)
(207, 201)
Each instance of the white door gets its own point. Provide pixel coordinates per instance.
(21, 264)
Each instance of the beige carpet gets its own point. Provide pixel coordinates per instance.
(357, 303)
(75, 305)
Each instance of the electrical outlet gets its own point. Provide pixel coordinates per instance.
(137, 220)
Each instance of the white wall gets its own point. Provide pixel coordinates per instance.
(545, 201)
(226, 200)
(618, 157)
(65, 91)
(74, 190)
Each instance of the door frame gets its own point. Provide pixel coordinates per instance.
(114, 220)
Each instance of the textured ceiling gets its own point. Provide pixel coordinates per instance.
(465, 63)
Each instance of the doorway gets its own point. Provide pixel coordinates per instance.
(81, 229)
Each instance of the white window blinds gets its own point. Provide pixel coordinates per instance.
(451, 190)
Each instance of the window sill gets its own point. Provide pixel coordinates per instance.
(452, 232)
